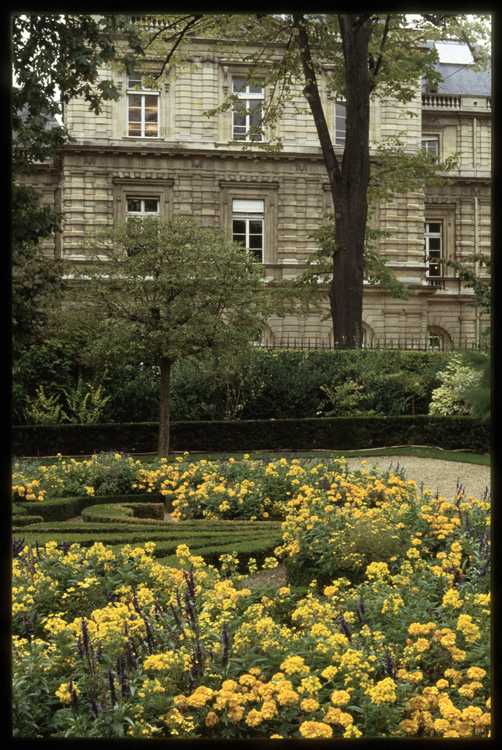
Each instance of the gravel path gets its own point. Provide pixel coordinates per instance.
(434, 473)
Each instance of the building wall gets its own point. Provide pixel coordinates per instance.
(190, 174)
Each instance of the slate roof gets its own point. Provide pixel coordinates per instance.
(462, 79)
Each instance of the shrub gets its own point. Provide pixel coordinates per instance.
(457, 379)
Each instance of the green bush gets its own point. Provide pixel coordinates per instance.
(458, 379)
(353, 548)
(258, 384)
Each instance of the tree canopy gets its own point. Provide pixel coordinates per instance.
(54, 59)
(155, 290)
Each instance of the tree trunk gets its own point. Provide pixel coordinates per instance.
(350, 188)
(349, 185)
(165, 394)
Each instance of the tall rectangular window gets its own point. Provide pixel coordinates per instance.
(247, 111)
(434, 252)
(340, 122)
(430, 144)
(142, 110)
(248, 226)
(138, 210)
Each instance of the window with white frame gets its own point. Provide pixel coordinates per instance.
(142, 109)
(340, 123)
(140, 210)
(248, 226)
(430, 144)
(433, 238)
(247, 112)
(142, 207)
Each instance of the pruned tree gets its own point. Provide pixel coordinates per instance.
(157, 290)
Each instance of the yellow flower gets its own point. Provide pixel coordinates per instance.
(340, 697)
(309, 704)
(383, 692)
(311, 729)
(476, 673)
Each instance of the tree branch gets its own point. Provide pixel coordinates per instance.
(181, 36)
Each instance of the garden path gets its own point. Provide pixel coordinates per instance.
(436, 474)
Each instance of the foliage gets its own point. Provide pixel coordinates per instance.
(84, 405)
(458, 379)
(481, 286)
(52, 56)
(102, 474)
(479, 396)
(255, 384)
(165, 289)
(45, 410)
(110, 643)
(159, 290)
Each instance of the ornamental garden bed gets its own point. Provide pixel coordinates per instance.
(137, 627)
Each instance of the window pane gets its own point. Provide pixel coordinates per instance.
(151, 131)
(239, 226)
(134, 115)
(134, 80)
(255, 89)
(239, 120)
(435, 228)
(135, 100)
(150, 115)
(134, 131)
(255, 241)
(133, 204)
(434, 269)
(255, 227)
(251, 206)
(239, 84)
(151, 205)
(258, 254)
(435, 243)
(151, 101)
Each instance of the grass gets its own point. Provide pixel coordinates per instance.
(417, 451)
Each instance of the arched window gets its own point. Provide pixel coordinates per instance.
(437, 339)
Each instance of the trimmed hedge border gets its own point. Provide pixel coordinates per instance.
(61, 508)
(209, 539)
(124, 512)
(340, 433)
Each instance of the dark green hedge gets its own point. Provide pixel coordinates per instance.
(209, 539)
(124, 513)
(340, 433)
(61, 508)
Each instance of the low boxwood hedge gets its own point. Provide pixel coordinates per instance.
(340, 433)
(124, 513)
(209, 539)
(61, 508)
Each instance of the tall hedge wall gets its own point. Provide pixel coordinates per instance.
(340, 433)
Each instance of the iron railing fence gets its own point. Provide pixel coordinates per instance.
(414, 343)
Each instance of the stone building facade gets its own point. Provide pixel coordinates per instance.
(156, 152)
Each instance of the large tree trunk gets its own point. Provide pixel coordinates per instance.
(350, 188)
(349, 184)
(165, 394)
